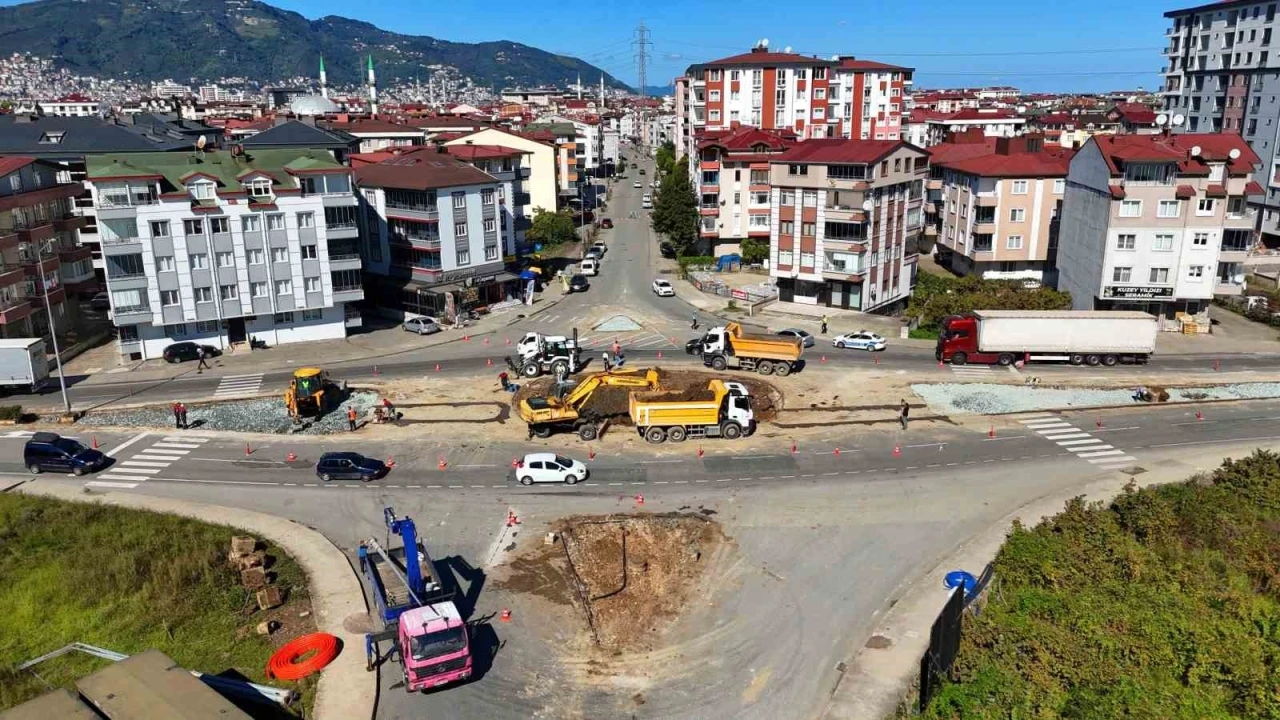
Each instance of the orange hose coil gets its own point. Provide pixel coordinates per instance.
(285, 665)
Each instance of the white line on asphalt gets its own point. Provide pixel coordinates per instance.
(147, 455)
(919, 446)
(1107, 429)
(474, 465)
(1114, 460)
(1057, 431)
(118, 476)
(1202, 442)
(183, 438)
(1082, 451)
(128, 468)
(100, 483)
(146, 463)
(1007, 437)
(176, 446)
(660, 482)
(658, 462)
(1102, 453)
(1035, 417)
(116, 450)
(729, 479)
(1068, 436)
(1090, 441)
(1195, 422)
(259, 462)
(1036, 424)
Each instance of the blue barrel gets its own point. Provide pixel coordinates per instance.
(961, 579)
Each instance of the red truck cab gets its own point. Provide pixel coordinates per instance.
(959, 334)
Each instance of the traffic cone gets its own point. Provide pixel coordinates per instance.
(824, 358)
(486, 341)
(897, 451)
(488, 362)
(639, 499)
(508, 341)
(875, 359)
(1199, 415)
(515, 462)
(390, 463)
(512, 520)
(506, 615)
(375, 371)
(247, 450)
(939, 363)
(1215, 366)
(591, 454)
(659, 353)
(466, 338)
(441, 464)
(95, 442)
(699, 451)
(992, 432)
(1099, 422)
(291, 457)
(437, 367)
(837, 452)
(793, 447)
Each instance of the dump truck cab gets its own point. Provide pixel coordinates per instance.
(730, 346)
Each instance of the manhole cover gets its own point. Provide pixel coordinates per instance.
(879, 642)
(617, 323)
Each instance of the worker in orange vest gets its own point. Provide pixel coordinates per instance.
(351, 418)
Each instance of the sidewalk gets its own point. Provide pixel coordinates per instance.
(877, 679)
(346, 689)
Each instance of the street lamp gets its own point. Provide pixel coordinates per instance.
(53, 331)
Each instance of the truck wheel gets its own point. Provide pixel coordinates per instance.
(730, 430)
(676, 434)
(764, 367)
(1110, 360)
(1093, 360)
(959, 359)
(1077, 359)
(782, 369)
(560, 368)
(1006, 359)
(719, 363)
(531, 370)
(542, 431)
(588, 433)
(655, 435)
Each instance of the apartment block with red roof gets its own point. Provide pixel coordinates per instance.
(730, 178)
(1158, 223)
(845, 220)
(992, 122)
(994, 205)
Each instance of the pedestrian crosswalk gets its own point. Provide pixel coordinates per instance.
(238, 386)
(972, 372)
(147, 463)
(1074, 440)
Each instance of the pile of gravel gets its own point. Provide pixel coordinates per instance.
(258, 415)
(991, 399)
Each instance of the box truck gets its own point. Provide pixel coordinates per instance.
(23, 365)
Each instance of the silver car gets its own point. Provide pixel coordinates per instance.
(421, 325)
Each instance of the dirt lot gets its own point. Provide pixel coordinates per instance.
(627, 576)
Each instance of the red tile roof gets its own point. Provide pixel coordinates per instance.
(852, 63)
(1136, 113)
(745, 139)
(10, 163)
(1117, 192)
(1184, 192)
(1254, 188)
(482, 152)
(1214, 148)
(766, 57)
(841, 151)
(980, 115)
(1050, 161)
(421, 171)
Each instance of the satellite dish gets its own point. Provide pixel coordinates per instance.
(1237, 279)
(786, 49)
(867, 205)
(1162, 119)
(1195, 151)
(201, 143)
(1178, 119)
(764, 42)
(1234, 153)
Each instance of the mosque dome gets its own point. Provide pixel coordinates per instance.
(313, 105)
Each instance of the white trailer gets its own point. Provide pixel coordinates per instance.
(23, 364)
(1084, 337)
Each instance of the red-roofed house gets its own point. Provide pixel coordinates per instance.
(1134, 117)
(994, 204)
(1159, 223)
(844, 223)
(378, 135)
(730, 177)
(995, 123)
(539, 184)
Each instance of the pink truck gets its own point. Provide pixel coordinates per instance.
(434, 648)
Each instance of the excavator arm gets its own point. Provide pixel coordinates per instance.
(549, 409)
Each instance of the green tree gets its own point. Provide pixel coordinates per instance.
(675, 210)
(935, 297)
(666, 157)
(754, 250)
(551, 228)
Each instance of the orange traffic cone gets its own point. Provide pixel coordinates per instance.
(699, 451)
(247, 450)
(486, 341)
(291, 457)
(512, 520)
(95, 442)
(837, 452)
(639, 499)
(992, 432)
(437, 367)
(441, 464)
(591, 454)
(488, 362)
(793, 448)
(1199, 415)
(515, 462)
(506, 615)
(659, 353)
(390, 463)
(897, 451)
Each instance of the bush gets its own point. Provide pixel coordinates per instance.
(935, 297)
(10, 412)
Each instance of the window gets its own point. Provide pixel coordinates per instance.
(225, 259)
(202, 190)
(1121, 274)
(797, 169)
(284, 318)
(1200, 240)
(169, 297)
(784, 257)
(1017, 215)
(490, 252)
(460, 230)
(164, 263)
(176, 330)
(787, 227)
(199, 261)
(258, 188)
(459, 199)
(251, 223)
(1013, 242)
(1160, 276)
(1205, 207)
(806, 259)
(228, 292)
(194, 226)
(306, 220)
(809, 198)
(284, 287)
(311, 284)
(308, 252)
(312, 315)
(464, 256)
(258, 289)
(219, 225)
(279, 255)
(819, 93)
(490, 225)
(486, 197)
(207, 327)
(1126, 242)
(1195, 273)
(819, 73)
(1130, 208)
(1162, 242)
(807, 229)
(1168, 209)
(713, 96)
(256, 257)
(203, 294)
(1019, 187)
(713, 115)
(787, 197)
(275, 222)
(159, 228)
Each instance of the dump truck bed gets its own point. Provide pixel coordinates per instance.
(653, 411)
(759, 345)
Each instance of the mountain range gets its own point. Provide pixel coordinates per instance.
(192, 40)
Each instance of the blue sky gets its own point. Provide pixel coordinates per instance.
(1083, 45)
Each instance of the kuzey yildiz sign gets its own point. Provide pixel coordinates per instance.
(1137, 292)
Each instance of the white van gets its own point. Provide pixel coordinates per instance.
(646, 202)
(590, 266)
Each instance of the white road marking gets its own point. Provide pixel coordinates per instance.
(101, 483)
(119, 476)
(126, 467)
(116, 450)
(143, 463)
(176, 446)
(1068, 436)
(1102, 453)
(1090, 441)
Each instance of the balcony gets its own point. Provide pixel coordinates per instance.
(344, 261)
(34, 231)
(990, 201)
(133, 312)
(121, 245)
(408, 211)
(72, 254)
(930, 231)
(1236, 245)
(849, 244)
(984, 228)
(933, 184)
(846, 213)
(348, 293)
(14, 309)
(12, 275)
(69, 222)
(709, 209)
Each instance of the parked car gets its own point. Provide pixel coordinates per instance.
(599, 245)
(101, 301)
(804, 336)
(668, 250)
(590, 266)
(549, 467)
(349, 466)
(50, 452)
(423, 325)
(594, 253)
(187, 350)
(646, 203)
(662, 288)
(641, 171)
(606, 223)
(578, 283)
(861, 340)
(693, 347)
(653, 183)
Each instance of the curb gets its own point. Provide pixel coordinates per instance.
(345, 690)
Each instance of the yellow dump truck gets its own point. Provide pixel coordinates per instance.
(547, 414)
(724, 411)
(729, 346)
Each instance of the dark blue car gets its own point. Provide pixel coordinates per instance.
(349, 466)
(50, 452)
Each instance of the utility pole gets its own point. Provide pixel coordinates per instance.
(642, 45)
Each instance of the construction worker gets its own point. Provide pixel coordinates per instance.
(505, 380)
(177, 416)
(182, 415)
(902, 416)
(824, 325)
(351, 418)
(605, 357)
(389, 409)
(617, 347)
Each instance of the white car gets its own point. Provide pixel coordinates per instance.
(600, 246)
(861, 340)
(637, 185)
(662, 288)
(549, 467)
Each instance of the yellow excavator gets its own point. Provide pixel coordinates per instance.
(547, 414)
(310, 393)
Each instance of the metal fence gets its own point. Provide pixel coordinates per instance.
(944, 638)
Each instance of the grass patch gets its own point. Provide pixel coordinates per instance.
(1162, 604)
(127, 580)
(923, 333)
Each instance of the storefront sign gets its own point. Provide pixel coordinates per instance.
(739, 294)
(1137, 292)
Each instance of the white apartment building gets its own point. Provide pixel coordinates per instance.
(70, 106)
(588, 141)
(221, 246)
(537, 170)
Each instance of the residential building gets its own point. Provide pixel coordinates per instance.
(539, 188)
(995, 204)
(813, 97)
(730, 178)
(1134, 117)
(38, 251)
(73, 105)
(570, 160)
(433, 236)
(993, 123)
(375, 135)
(588, 141)
(1158, 223)
(302, 135)
(1222, 76)
(845, 220)
(226, 245)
